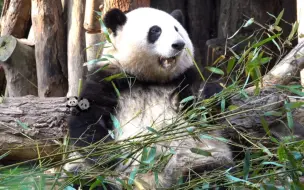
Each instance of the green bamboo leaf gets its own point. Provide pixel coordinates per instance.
(215, 70)
(223, 104)
(278, 19)
(189, 98)
(115, 76)
(249, 22)
(23, 125)
(232, 107)
(156, 178)
(231, 64)
(151, 156)
(200, 152)
(126, 186)
(116, 89)
(132, 176)
(293, 105)
(295, 27)
(272, 163)
(116, 124)
(273, 113)
(246, 166)
(258, 44)
(265, 126)
(5, 154)
(153, 131)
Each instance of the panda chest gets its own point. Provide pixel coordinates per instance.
(140, 108)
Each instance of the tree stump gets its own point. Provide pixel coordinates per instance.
(18, 61)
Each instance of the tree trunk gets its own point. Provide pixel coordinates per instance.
(76, 44)
(93, 51)
(91, 22)
(125, 5)
(27, 121)
(50, 48)
(233, 12)
(16, 15)
(18, 59)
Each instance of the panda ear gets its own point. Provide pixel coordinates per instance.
(114, 18)
(179, 16)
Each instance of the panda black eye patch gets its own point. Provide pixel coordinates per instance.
(176, 29)
(154, 33)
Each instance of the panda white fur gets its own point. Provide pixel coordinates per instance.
(150, 46)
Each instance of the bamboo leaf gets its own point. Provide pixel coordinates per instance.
(249, 22)
(246, 166)
(23, 125)
(189, 98)
(278, 19)
(132, 176)
(258, 44)
(265, 126)
(215, 70)
(295, 27)
(153, 131)
(231, 64)
(200, 152)
(116, 124)
(272, 163)
(273, 113)
(151, 156)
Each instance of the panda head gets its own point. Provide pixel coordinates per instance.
(72, 101)
(149, 43)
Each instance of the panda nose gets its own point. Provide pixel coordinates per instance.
(178, 45)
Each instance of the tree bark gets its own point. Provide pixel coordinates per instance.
(91, 22)
(125, 5)
(93, 50)
(76, 44)
(50, 48)
(27, 121)
(18, 61)
(287, 69)
(232, 15)
(16, 15)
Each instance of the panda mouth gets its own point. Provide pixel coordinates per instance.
(167, 63)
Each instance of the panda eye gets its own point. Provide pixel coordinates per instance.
(154, 33)
(176, 29)
(155, 30)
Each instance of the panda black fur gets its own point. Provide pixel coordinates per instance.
(149, 46)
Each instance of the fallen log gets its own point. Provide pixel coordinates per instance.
(18, 60)
(29, 124)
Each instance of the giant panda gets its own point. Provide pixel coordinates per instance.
(153, 50)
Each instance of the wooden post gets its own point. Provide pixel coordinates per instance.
(18, 61)
(76, 44)
(50, 48)
(16, 15)
(93, 33)
(125, 5)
